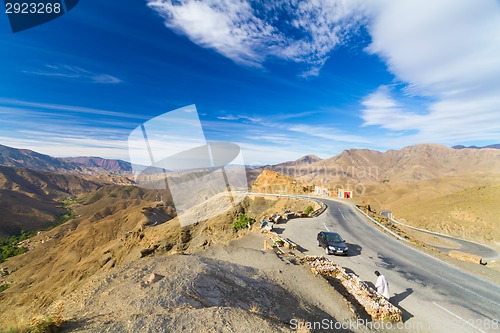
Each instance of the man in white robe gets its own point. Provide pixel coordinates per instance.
(382, 285)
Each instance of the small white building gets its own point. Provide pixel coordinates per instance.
(321, 191)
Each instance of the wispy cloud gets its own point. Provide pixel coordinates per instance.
(240, 117)
(381, 109)
(275, 138)
(23, 105)
(446, 121)
(450, 58)
(250, 32)
(75, 72)
(328, 133)
(65, 130)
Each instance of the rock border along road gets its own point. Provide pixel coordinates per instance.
(433, 295)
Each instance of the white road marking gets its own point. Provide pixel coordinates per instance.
(458, 317)
(445, 263)
(342, 214)
(420, 252)
(470, 291)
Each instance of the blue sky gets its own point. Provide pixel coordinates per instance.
(280, 78)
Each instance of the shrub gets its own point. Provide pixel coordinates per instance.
(42, 325)
(48, 324)
(3, 287)
(9, 248)
(309, 210)
(242, 221)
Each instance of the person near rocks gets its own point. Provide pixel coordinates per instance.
(382, 285)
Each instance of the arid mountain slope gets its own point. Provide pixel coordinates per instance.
(114, 227)
(301, 162)
(274, 182)
(30, 200)
(470, 213)
(429, 186)
(414, 163)
(25, 158)
(113, 166)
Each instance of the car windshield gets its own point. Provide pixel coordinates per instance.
(335, 238)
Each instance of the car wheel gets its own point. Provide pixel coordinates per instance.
(326, 250)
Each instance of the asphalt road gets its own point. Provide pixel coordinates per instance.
(485, 252)
(434, 296)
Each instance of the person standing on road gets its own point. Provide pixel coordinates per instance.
(382, 285)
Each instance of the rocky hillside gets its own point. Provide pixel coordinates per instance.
(270, 181)
(115, 226)
(231, 288)
(31, 200)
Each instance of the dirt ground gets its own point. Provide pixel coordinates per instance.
(236, 287)
(94, 265)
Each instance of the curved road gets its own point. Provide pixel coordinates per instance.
(486, 252)
(434, 296)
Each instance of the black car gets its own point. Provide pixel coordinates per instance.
(332, 243)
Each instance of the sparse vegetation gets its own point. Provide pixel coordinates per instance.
(43, 325)
(40, 324)
(254, 308)
(309, 210)
(70, 213)
(3, 287)
(242, 222)
(9, 248)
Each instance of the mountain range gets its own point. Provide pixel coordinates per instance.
(413, 163)
(32, 185)
(494, 146)
(25, 158)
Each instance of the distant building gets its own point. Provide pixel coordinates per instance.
(345, 194)
(321, 191)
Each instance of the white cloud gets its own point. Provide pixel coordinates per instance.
(446, 121)
(65, 130)
(446, 47)
(447, 52)
(328, 133)
(75, 72)
(229, 27)
(24, 106)
(240, 117)
(250, 32)
(381, 109)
